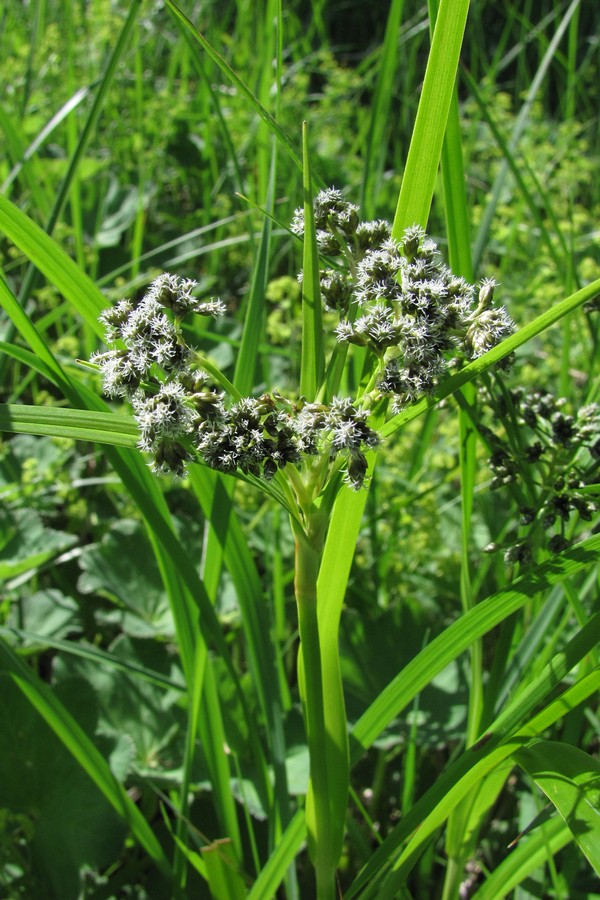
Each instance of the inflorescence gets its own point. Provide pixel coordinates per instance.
(550, 458)
(400, 301)
(396, 298)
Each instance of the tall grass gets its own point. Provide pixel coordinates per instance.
(149, 139)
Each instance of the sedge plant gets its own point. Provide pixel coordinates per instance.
(412, 319)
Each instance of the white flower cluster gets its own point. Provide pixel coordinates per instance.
(400, 301)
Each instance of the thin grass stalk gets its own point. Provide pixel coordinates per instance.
(71, 124)
(377, 134)
(312, 363)
(458, 834)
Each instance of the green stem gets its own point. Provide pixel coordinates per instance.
(309, 546)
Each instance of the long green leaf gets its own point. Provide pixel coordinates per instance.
(570, 779)
(54, 263)
(96, 656)
(531, 853)
(274, 870)
(312, 364)
(79, 424)
(377, 134)
(237, 81)
(520, 123)
(386, 872)
(331, 591)
(425, 148)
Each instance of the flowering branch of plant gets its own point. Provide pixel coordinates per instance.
(394, 298)
(548, 458)
(416, 321)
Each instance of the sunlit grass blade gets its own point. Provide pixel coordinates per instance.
(30, 333)
(570, 778)
(33, 173)
(377, 142)
(254, 318)
(78, 424)
(516, 168)
(213, 742)
(334, 572)
(54, 263)
(425, 148)
(86, 754)
(466, 818)
(96, 656)
(65, 186)
(217, 505)
(194, 698)
(531, 853)
(312, 366)
(273, 872)
(29, 153)
(221, 870)
(181, 580)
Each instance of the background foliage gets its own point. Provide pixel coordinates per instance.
(131, 147)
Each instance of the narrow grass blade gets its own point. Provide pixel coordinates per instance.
(86, 754)
(194, 698)
(520, 124)
(54, 263)
(79, 424)
(313, 364)
(331, 591)
(274, 871)
(455, 199)
(533, 202)
(71, 104)
(221, 869)
(29, 360)
(464, 822)
(33, 174)
(570, 779)
(95, 655)
(229, 537)
(63, 191)
(425, 148)
(214, 743)
(254, 317)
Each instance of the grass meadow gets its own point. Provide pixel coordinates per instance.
(362, 660)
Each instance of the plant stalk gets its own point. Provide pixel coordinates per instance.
(321, 844)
